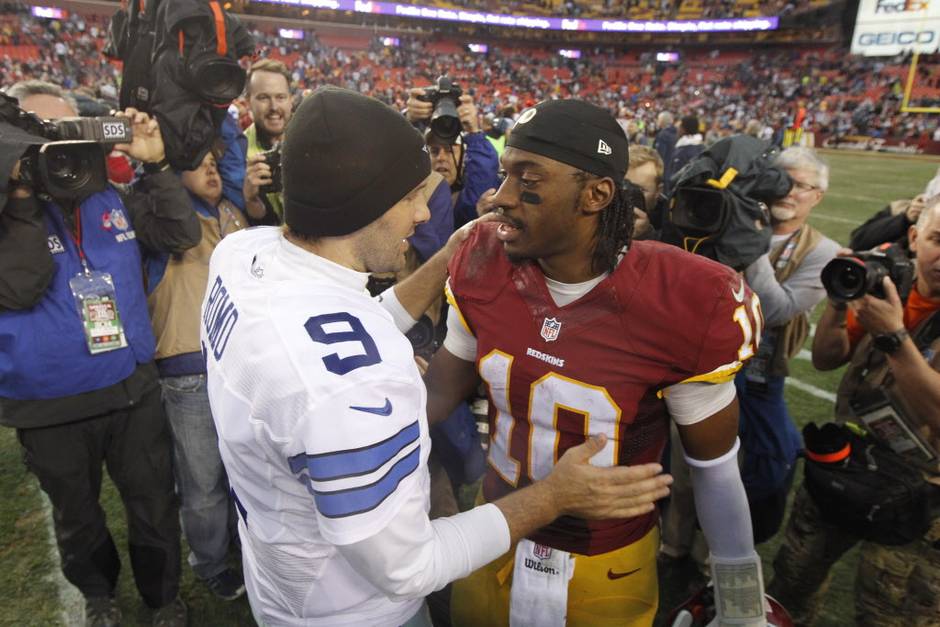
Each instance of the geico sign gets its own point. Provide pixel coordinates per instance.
(902, 38)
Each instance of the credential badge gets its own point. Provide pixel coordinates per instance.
(551, 327)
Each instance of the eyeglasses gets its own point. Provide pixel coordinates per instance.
(802, 187)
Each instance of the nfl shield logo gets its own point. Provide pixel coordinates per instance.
(550, 329)
(541, 551)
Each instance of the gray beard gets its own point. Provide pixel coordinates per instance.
(782, 214)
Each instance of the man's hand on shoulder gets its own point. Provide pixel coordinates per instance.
(486, 205)
(459, 236)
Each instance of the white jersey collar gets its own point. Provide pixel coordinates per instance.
(305, 265)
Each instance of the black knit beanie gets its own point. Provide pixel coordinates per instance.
(574, 132)
(346, 160)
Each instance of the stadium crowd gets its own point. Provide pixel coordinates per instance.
(828, 91)
(322, 495)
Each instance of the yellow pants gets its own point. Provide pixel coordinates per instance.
(597, 597)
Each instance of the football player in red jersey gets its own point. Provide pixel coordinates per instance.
(576, 331)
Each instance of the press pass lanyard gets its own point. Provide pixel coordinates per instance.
(76, 235)
(95, 301)
(788, 249)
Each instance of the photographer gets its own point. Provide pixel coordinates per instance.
(466, 160)
(78, 381)
(787, 281)
(269, 98)
(891, 347)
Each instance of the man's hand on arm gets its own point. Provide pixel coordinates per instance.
(577, 488)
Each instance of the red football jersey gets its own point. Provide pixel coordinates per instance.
(597, 365)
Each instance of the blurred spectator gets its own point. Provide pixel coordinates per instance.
(269, 98)
(79, 383)
(665, 141)
(177, 285)
(689, 145)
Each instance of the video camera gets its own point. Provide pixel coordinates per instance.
(445, 96)
(850, 278)
(72, 162)
(719, 206)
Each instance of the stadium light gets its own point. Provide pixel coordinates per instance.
(748, 24)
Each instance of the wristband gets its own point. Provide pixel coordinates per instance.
(159, 166)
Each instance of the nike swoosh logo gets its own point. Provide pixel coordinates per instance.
(384, 410)
(739, 293)
(612, 575)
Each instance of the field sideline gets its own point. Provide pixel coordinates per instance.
(35, 593)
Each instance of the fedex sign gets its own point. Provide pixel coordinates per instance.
(890, 27)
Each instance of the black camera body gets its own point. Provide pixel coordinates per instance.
(445, 96)
(273, 159)
(634, 195)
(850, 278)
(71, 163)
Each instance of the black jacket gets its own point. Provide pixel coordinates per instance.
(888, 225)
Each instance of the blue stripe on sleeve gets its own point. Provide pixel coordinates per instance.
(359, 500)
(354, 462)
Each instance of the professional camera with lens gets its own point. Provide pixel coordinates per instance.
(850, 278)
(445, 96)
(71, 164)
(273, 159)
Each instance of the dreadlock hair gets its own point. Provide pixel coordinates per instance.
(614, 228)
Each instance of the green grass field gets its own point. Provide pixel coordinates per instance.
(36, 594)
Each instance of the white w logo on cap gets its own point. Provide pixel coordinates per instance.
(603, 148)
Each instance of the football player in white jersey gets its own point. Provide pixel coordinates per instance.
(319, 404)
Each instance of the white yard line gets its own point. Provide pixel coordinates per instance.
(71, 603)
(811, 389)
(823, 216)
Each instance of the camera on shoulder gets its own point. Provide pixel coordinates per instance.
(445, 96)
(863, 272)
(71, 162)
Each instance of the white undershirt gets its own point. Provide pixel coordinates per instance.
(688, 403)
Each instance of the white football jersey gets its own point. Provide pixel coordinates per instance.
(320, 411)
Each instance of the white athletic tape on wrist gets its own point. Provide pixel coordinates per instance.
(739, 590)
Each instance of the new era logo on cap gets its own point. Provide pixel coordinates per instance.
(603, 148)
